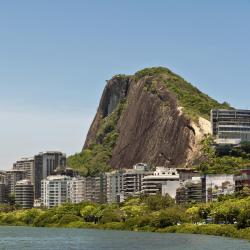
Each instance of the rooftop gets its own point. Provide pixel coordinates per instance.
(51, 152)
(57, 177)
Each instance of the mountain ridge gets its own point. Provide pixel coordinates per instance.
(153, 116)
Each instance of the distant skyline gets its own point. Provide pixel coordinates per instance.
(57, 55)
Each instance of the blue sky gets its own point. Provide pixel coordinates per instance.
(56, 55)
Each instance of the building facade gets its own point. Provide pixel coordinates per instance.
(12, 177)
(219, 184)
(114, 182)
(230, 126)
(2, 192)
(24, 194)
(187, 173)
(193, 190)
(26, 165)
(242, 180)
(76, 190)
(54, 190)
(91, 188)
(2, 176)
(132, 179)
(96, 189)
(45, 164)
(163, 181)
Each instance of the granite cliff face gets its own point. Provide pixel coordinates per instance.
(115, 91)
(161, 121)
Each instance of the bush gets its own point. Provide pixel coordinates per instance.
(168, 217)
(111, 215)
(68, 218)
(47, 218)
(157, 202)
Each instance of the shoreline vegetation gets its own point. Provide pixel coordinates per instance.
(228, 217)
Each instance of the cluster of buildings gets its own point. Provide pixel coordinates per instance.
(24, 180)
(45, 180)
(59, 184)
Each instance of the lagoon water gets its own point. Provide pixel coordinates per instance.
(22, 238)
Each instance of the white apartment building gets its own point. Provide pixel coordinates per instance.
(163, 181)
(54, 190)
(89, 188)
(76, 189)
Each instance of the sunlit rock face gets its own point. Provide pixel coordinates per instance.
(152, 126)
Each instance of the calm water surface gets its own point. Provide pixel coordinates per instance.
(13, 238)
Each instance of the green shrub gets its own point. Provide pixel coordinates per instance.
(157, 202)
(111, 215)
(68, 218)
(167, 217)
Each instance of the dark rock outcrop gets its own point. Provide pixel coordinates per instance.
(115, 90)
(152, 127)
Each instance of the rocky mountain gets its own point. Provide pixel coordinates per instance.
(154, 116)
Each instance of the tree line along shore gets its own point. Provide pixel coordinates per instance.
(229, 216)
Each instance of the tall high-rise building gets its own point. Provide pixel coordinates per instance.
(27, 165)
(44, 165)
(24, 193)
(54, 190)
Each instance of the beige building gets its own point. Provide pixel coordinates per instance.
(87, 189)
(26, 165)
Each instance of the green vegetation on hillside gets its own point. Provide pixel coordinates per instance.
(230, 216)
(223, 160)
(195, 102)
(96, 158)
